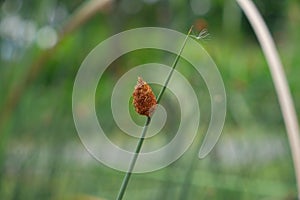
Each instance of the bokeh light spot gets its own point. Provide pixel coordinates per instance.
(46, 37)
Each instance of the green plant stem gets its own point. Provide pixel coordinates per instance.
(173, 66)
(144, 131)
(132, 164)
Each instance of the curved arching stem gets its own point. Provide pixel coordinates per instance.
(279, 79)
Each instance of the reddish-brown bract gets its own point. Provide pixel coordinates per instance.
(144, 100)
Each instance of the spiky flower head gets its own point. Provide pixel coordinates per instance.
(144, 100)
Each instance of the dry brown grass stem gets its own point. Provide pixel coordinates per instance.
(280, 81)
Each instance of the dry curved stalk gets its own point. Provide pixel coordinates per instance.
(279, 79)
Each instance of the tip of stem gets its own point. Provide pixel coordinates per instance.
(190, 29)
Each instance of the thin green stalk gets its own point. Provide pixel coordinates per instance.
(144, 131)
(173, 66)
(132, 164)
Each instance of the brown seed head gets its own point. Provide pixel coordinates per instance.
(144, 100)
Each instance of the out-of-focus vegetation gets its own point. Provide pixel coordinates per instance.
(41, 156)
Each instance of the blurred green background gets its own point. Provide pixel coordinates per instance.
(42, 44)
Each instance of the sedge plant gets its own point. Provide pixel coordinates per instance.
(147, 109)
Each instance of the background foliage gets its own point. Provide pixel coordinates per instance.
(41, 156)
